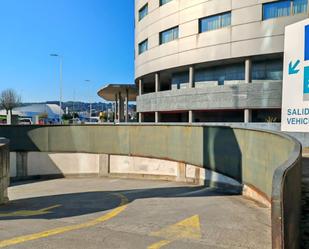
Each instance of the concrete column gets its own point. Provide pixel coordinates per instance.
(116, 108)
(140, 116)
(190, 117)
(9, 118)
(157, 82)
(248, 71)
(127, 105)
(191, 77)
(248, 115)
(248, 80)
(140, 87)
(156, 117)
(119, 108)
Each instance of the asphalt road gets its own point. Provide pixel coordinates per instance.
(130, 214)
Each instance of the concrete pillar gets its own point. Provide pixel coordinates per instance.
(248, 71)
(190, 117)
(116, 108)
(156, 117)
(248, 115)
(157, 82)
(248, 80)
(140, 117)
(127, 105)
(119, 108)
(140, 87)
(191, 77)
(9, 118)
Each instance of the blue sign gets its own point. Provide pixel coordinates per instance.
(306, 80)
(293, 67)
(307, 43)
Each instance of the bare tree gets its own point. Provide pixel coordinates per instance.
(9, 99)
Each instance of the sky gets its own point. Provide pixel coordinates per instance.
(95, 38)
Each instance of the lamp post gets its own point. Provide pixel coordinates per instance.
(90, 105)
(61, 82)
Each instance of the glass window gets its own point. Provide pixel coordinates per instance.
(180, 78)
(215, 22)
(221, 73)
(284, 8)
(143, 12)
(143, 46)
(267, 70)
(162, 2)
(169, 35)
(276, 9)
(300, 6)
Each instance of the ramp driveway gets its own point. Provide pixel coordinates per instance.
(130, 214)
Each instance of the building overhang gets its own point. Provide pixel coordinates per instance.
(110, 91)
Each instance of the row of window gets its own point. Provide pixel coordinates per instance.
(144, 10)
(165, 36)
(205, 24)
(270, 10)
(284, 8)
(261, 70)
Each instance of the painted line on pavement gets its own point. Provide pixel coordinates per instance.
(159, 244)
(28, 213)
(115, 212)
(189, 228)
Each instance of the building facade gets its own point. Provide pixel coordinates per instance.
(211, 60)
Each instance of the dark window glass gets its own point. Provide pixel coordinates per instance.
(300, 6)
(179, 78)
(215, 22)
(143, 47)
(233, 72)
(162, 2)
(169, 35)
(143, 12)
(284, 8)
(267, 70)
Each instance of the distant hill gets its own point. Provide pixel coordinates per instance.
(81, 106)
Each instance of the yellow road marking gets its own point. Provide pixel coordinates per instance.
(159, 244)
(26, 213)
(187, 229)
(123, 205)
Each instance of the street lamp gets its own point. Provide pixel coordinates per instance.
(90, 105)
(61, 82)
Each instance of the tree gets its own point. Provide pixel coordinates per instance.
(67, 116)
(9, 100)
(43, 115)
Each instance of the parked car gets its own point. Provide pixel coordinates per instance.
(25, 121)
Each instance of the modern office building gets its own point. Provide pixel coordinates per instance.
(211, 60)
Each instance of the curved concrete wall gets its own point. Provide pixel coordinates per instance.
(4, 170)
(248, 34)
(245, 155)
(251, 157)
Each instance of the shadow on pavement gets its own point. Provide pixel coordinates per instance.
(76, 204)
